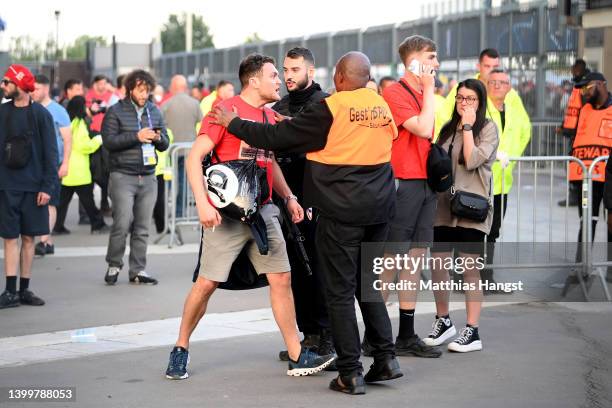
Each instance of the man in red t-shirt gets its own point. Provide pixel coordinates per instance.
(225, 238)
(411, 101)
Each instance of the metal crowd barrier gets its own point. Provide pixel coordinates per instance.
(598, 266)
(538, 182)
(546, 140)
(179, 201)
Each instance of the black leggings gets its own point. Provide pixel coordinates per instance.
(85, 193)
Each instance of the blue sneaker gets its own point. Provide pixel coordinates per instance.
(309, 363)
(177, 366)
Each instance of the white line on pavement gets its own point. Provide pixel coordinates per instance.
(69, 344)
(78, 252)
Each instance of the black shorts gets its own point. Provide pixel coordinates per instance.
(415, 209)
(19, 215)
(464, 240)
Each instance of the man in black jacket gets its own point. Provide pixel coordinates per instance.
(132, 130)
(28, 174)
(308, 296)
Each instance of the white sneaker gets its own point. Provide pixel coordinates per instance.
(442, 330)
(468, 340)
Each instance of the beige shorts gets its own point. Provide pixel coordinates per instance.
(221, 247)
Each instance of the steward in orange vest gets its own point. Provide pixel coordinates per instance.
(594, 130)
(575, 102)
(348, 178)
(593, 139)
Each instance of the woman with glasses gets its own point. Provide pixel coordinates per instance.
(471, 140)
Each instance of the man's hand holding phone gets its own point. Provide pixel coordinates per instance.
(147, 135)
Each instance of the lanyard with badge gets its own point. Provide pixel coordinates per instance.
(148, 150)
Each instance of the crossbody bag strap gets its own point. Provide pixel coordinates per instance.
(407, 88)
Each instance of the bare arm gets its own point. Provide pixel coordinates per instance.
(66, 134)
(423, 124)
(209, 216)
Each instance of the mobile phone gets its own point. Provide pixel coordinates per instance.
(157, 128)
(415, 67)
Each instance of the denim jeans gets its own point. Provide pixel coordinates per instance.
(133, 201)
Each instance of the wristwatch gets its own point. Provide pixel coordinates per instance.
(467, 127)
(290, 197)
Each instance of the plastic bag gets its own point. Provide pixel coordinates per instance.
(237, 188)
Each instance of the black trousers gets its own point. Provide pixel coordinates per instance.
(85, 193)
(598, 193)
(339, 255)
(308, 293)
(159, 211)
(498, 218)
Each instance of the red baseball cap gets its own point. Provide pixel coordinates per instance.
(21, 76)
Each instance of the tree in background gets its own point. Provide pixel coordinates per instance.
(25, 48)
(78, 49)
(253, 39)
(173, 34)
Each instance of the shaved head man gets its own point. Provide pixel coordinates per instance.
(178, 84)
(349, 181)
(352, 71)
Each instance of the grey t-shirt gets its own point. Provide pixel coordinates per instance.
(182, 113)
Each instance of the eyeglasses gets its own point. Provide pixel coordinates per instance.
(6, 82)
(496, 83)
(469, 100)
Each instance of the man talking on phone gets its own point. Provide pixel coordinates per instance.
(132, 130)
(412, 105)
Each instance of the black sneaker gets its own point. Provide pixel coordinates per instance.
(366, 348)
(326, 347)
(308, 363)
(142, 277)
(8, 299)
(384, 371)
(177, 366)
(61, 231)
(468, 340)
(442, 330)
(354, 385)
(414, 346)
(40, 249)
(310, 340)
(111, 275)
(27, 297)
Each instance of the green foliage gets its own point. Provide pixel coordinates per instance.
(173, 34)
(253, 39)
(78, 49)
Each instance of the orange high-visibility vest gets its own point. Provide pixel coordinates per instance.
(570, 121)
(593, 139)
(362, 131)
